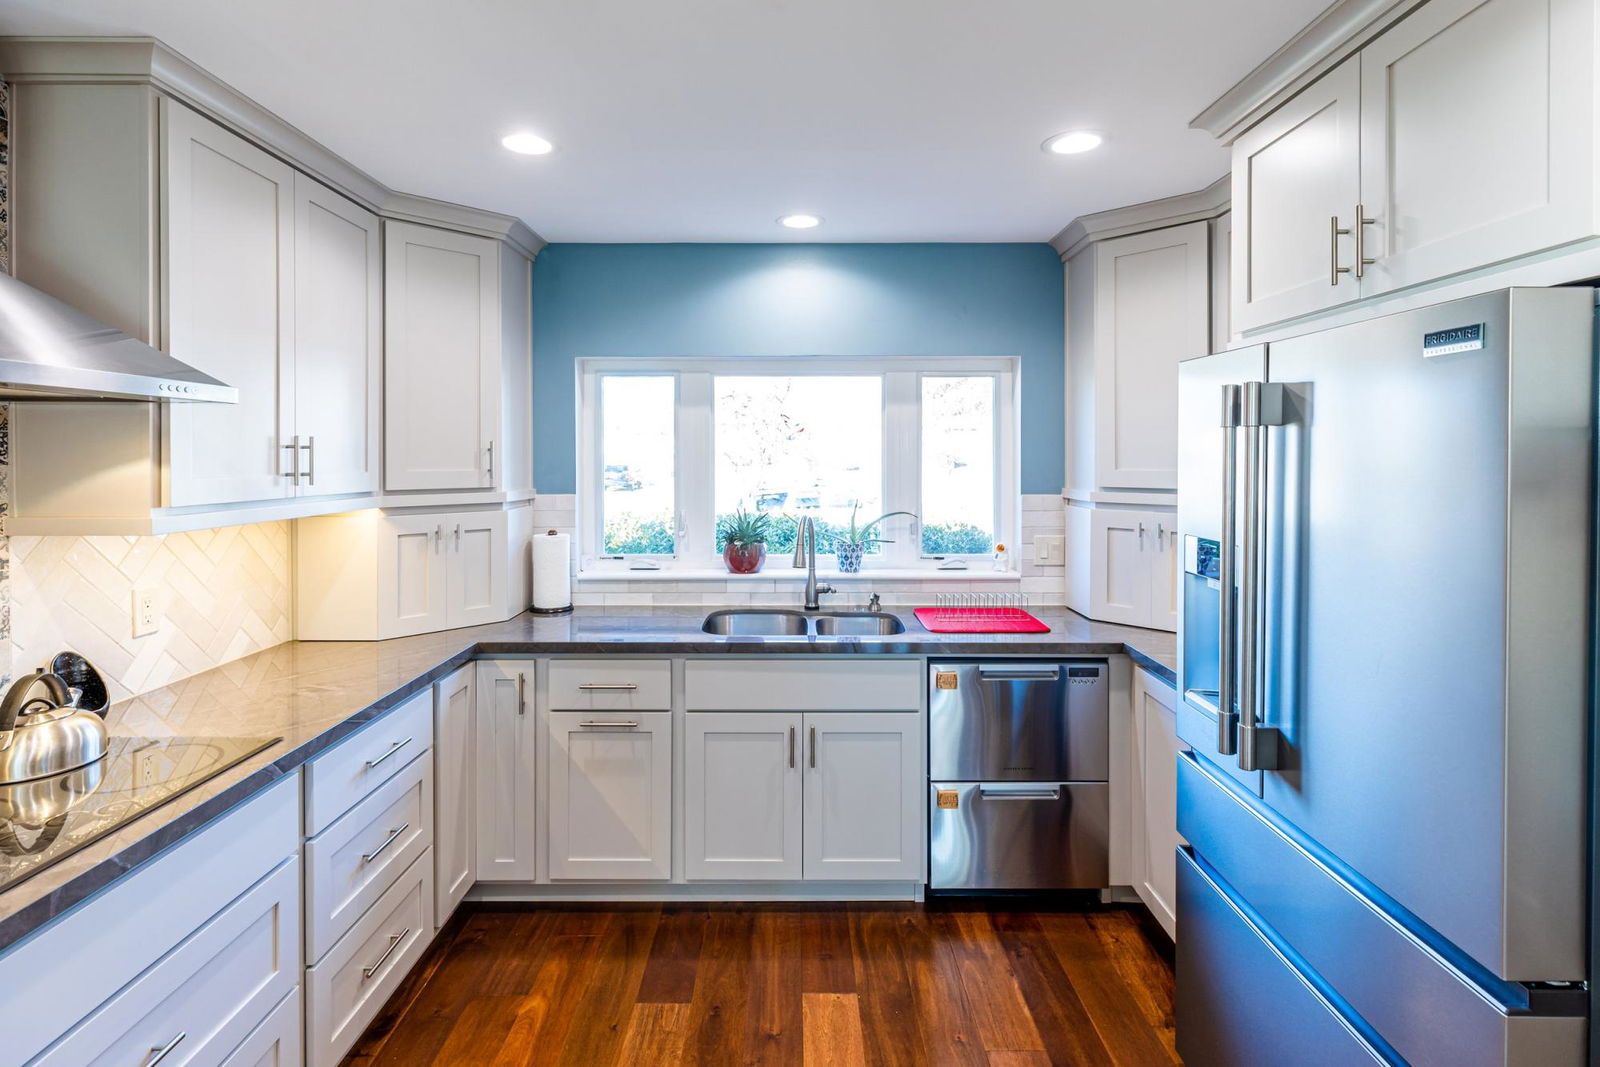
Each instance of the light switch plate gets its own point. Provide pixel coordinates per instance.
(1050, 550)
(145, 619)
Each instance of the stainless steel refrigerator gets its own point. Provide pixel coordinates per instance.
(1385, 672)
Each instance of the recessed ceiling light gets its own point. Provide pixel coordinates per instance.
(526, 144)
(801, 222)
(1070, 144)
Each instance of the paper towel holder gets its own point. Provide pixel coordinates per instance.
(550, 611)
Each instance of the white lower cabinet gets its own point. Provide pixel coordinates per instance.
(1155, 799)
(454, 796)
(278, 1042)
(351, 983)
(505, 772)
(863, 791)
(742, 796)
(610, 778)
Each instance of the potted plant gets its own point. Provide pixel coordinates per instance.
(852, 542)
(743, 538)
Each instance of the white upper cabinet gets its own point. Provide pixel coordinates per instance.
(1294, 174)
(441, 359)
(228, 255)
(1477, 136)
(1133, 576)
(338, 343)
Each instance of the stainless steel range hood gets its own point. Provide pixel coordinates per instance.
(48, 348)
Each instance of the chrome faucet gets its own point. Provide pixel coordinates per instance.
(805, 555)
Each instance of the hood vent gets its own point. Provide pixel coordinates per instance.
(48, 348)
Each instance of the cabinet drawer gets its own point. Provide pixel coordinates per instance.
(108, 941)
(277, 1042)
(803, 684)
(362, 970)
(204, 998)
(611, 685)
(338, 779)
(351, 863)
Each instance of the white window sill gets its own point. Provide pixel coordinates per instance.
(980, 573)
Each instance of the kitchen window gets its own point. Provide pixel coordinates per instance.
(669, 447)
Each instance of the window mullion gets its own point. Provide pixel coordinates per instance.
(696, 506)
(902, 481)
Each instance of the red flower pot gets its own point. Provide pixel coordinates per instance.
(744, 559)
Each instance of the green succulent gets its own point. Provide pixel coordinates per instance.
(743, 528)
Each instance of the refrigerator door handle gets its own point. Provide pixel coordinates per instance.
(1227, 575)
(1260, 406)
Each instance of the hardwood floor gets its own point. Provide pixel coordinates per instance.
(975, 984)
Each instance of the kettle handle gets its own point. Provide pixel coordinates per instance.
(17, 698)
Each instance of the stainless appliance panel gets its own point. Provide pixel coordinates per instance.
(1018, 835)
(1020, 721)
(1426, 615)
(1241, 1000)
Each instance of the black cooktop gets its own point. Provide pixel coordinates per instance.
(48, 819)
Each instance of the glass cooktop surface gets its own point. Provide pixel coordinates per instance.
(47, 819)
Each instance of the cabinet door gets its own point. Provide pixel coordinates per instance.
(1296, 170)
(505, 771)
(477, 585)
(610, 778)
(441, 358)
(1120, 570)
(863, 796)
(1162, 557)
(742, 795)
(455, 851)
(1152, 296)
(411, 575)
(1477, 136)
(338, 317)
(228, 256)
(1155, 796)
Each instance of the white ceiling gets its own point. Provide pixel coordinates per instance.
(704, 120)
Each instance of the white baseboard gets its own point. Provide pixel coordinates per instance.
(508, 892)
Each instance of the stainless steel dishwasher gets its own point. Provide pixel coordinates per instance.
(1018, 754)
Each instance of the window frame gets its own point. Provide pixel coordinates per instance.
(694, 450)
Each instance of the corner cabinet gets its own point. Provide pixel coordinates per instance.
(1131, 571)
(456, 362)
(507, 761)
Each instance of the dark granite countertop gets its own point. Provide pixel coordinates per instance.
(314, 694)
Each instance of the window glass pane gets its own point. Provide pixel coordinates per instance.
(794, 445)
(636, 448)
(958, 465)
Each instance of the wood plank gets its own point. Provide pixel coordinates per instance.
(480, 1030)
(547, 1012)
(888, 1002)
(1021, 1059)
(718, 1008)
(833, 1030)
(597, 1030)
(1049, 991)
(675, 955)
(1145, 974)
(998, 1006)
(949, 1033)
(827, 966)
(655, 1036)
(773, 1022)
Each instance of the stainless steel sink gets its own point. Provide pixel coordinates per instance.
(859, 624)
(754, 623)
(775, 622)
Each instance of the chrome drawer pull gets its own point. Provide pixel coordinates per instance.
(394, 942)
(396, 747)
(1019, 794)
(394, 835)
(791, 746)
(618, 686)
(159, 1052)
(612, 725)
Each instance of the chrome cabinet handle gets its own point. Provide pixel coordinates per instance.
(458, 537)
(1161, 536)
(396, 747)
(791, 747)
(293, 448)
(311, 460)
(438, 537)
(1361, 224)
(522, 693)
(1227, 575)
(1259, 407)
(609, 686)
(813, 739)
(394, 942)
(491, 462)
(1336, 232)
(160, 1052)
(394, 835)
(1141, 537)
(621, 725)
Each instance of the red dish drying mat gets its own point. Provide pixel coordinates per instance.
(980, 621)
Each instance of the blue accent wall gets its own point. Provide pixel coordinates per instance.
(809, 299)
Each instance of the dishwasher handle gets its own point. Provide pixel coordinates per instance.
(1019, 672)
(1019, 792)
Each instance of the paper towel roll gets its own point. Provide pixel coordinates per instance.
(552, 572)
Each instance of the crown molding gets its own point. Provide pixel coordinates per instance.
(147, 61)
(1328, 40)
(1197, 206)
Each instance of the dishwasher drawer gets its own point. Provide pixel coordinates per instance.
(1019, 721)
(1018, 835)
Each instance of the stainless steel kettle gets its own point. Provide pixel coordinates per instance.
(42, 735)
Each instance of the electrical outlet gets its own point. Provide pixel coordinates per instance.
(145, 619)
(1050, 550)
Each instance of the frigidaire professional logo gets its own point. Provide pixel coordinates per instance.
(1458, 339)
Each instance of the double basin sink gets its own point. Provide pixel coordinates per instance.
(775, 622)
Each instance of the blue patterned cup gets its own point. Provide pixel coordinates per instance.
(849, 556)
